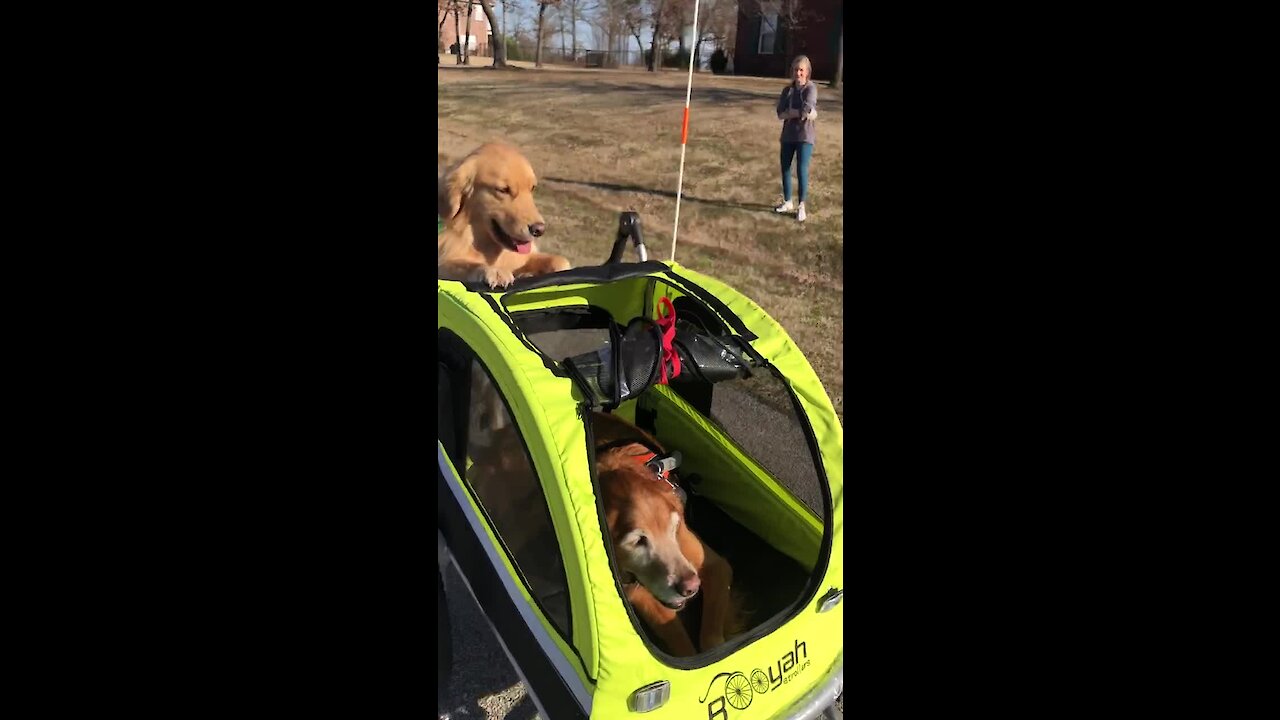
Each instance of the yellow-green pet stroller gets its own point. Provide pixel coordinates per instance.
(762, 454)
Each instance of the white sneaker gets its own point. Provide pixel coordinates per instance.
(783, 208)
(800, 213)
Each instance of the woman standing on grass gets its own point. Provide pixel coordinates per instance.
(798, 111)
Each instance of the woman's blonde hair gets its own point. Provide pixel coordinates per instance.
(801, 60)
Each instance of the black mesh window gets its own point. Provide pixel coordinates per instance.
(564, 332)
(758, 414)
(561, 344)
(501, 473)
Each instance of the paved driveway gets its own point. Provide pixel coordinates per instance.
(484, 686)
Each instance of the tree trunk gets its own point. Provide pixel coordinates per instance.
(537, 54)
(562, 50)
(440, 32)
(466, 47)
(839, 78)
(499, 40)
(456, 37)
(654, 60)
(573, 20)
(639, 44)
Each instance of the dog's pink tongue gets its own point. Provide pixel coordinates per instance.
(523, 247)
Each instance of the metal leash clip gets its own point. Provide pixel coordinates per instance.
(662, 465)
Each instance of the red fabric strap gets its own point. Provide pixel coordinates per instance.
(644, 460)
(667, 323)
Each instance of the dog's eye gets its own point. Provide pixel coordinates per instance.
(641, 541)
(504, 190)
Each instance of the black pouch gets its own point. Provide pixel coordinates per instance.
(623, 368)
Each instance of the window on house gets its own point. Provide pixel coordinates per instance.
(768, 29)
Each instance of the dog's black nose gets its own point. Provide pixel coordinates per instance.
(537, 229)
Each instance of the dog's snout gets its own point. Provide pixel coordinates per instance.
(688, 587)
(537, 229)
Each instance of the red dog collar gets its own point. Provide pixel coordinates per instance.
(661, 465)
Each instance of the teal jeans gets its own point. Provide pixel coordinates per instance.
(805, 152)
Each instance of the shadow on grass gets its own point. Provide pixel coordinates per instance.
(641, 91)
(454, 66)
(684, 197)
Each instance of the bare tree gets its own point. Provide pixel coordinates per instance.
(542, 11)
(633, 20)
(620, 18)
(575, 10)
(456, 37)
(499, 40)
(660, 10)
(600, 36)
(605, 21)
(499, 49)
(560, 23)
(514, 27)
(718, 22)
(519, 26)
(443, 6)
(466, 47)
(681, 16)
(670, 18)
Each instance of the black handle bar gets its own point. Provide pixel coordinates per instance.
(628, 227)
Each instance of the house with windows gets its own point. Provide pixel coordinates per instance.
(477, 36)
(772, 32)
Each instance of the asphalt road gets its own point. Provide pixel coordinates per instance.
(484, 685)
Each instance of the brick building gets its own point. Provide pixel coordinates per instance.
(478, 36)
(764, 34)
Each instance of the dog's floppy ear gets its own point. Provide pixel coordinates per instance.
(455, 187)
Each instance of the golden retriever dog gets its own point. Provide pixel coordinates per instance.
(663, 564)
(499, 470)
(488, 415)
(490, 220)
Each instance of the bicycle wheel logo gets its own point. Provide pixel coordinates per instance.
(738, 692)
(740, 689)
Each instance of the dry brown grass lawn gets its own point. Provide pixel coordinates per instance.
(606, 141)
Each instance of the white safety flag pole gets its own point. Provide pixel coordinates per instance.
(684, 130)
